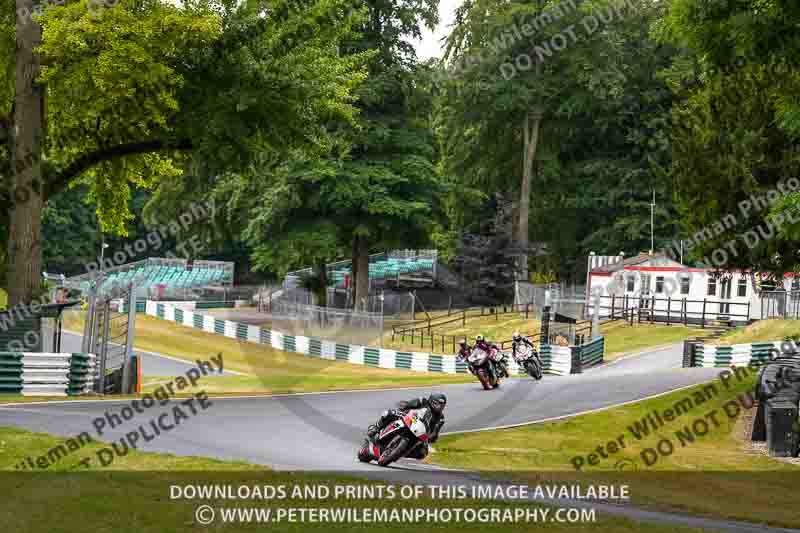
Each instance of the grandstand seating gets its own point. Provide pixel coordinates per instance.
(382, 266)
(169, 273)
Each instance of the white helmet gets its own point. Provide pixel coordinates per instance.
(517, 336)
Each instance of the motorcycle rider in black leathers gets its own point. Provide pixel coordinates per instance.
(464, 351)
(519, 340)
(502, 364)
(436, 403)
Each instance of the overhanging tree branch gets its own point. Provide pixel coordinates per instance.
(87, 161)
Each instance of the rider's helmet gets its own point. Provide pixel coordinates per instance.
(437, 401)
(479, 338)
(517, 337)
(463, 343)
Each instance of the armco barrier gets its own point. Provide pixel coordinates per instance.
(50, 374)
(557, 359)
(587, 355)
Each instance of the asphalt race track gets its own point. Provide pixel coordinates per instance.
(321, 431)
(153, 364)
(331, 425)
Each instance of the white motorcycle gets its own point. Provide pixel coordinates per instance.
(527, 358)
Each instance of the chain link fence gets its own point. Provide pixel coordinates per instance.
(342, 325)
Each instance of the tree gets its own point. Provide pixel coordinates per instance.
(375, 184)
(735, 130)
(602, 145)
(514, 100)
(130, 89)
(485, 259)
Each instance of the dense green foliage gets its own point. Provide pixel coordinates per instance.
(735, 135)
(321, 136)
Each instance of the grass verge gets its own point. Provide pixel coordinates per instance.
(623, 339)
(761, 330)
(716, 474)
(271, 371)
(134, 494)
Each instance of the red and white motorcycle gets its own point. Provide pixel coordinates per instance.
(398, 439)
(484, 366)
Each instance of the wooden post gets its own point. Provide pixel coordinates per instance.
(464, 317)
(703, 318)
(685, 311)
(669, 304)
(652, 308)
(613, 300)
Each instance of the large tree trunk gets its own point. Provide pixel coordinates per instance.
(321, 293)
(353, 272)
(361, 265)
(25, 227)
(531, 132)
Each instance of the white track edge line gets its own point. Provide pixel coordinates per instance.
(562, 417)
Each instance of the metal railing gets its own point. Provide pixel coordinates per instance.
(671, 310)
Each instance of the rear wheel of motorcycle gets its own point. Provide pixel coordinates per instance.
(484, 379)
(393, 451)
(534, 370)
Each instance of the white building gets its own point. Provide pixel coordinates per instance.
(664, 289)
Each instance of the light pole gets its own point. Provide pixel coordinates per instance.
(102, 254)
(381, 335)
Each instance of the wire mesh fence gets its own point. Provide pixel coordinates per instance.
(779, 304)
(341, 325)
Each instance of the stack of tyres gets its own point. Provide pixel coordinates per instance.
(782, 431)
(778, 393)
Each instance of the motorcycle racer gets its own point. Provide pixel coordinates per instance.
(435, 403)
(518, 340)
(464, 352)
(496, 353)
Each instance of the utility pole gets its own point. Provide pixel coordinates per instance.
(652, 222)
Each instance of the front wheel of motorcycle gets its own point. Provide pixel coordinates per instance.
(484, 379)
(393, 451)
(363, 453)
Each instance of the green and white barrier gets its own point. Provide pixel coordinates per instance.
(46, 374)
(592, 352)
(707, 355)
(557, 359)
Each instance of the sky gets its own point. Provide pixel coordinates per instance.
(430, 46)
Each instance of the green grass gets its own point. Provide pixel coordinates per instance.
(3, 299)
(270, 370)
(761, 330)
(716, 475)
(133, 494)
(622, 339)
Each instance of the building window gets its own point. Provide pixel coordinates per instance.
(685, 284)
(741, 288)
(630, 284)
(712, 287)
(659, 284)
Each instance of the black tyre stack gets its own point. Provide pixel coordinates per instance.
(778, 394)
